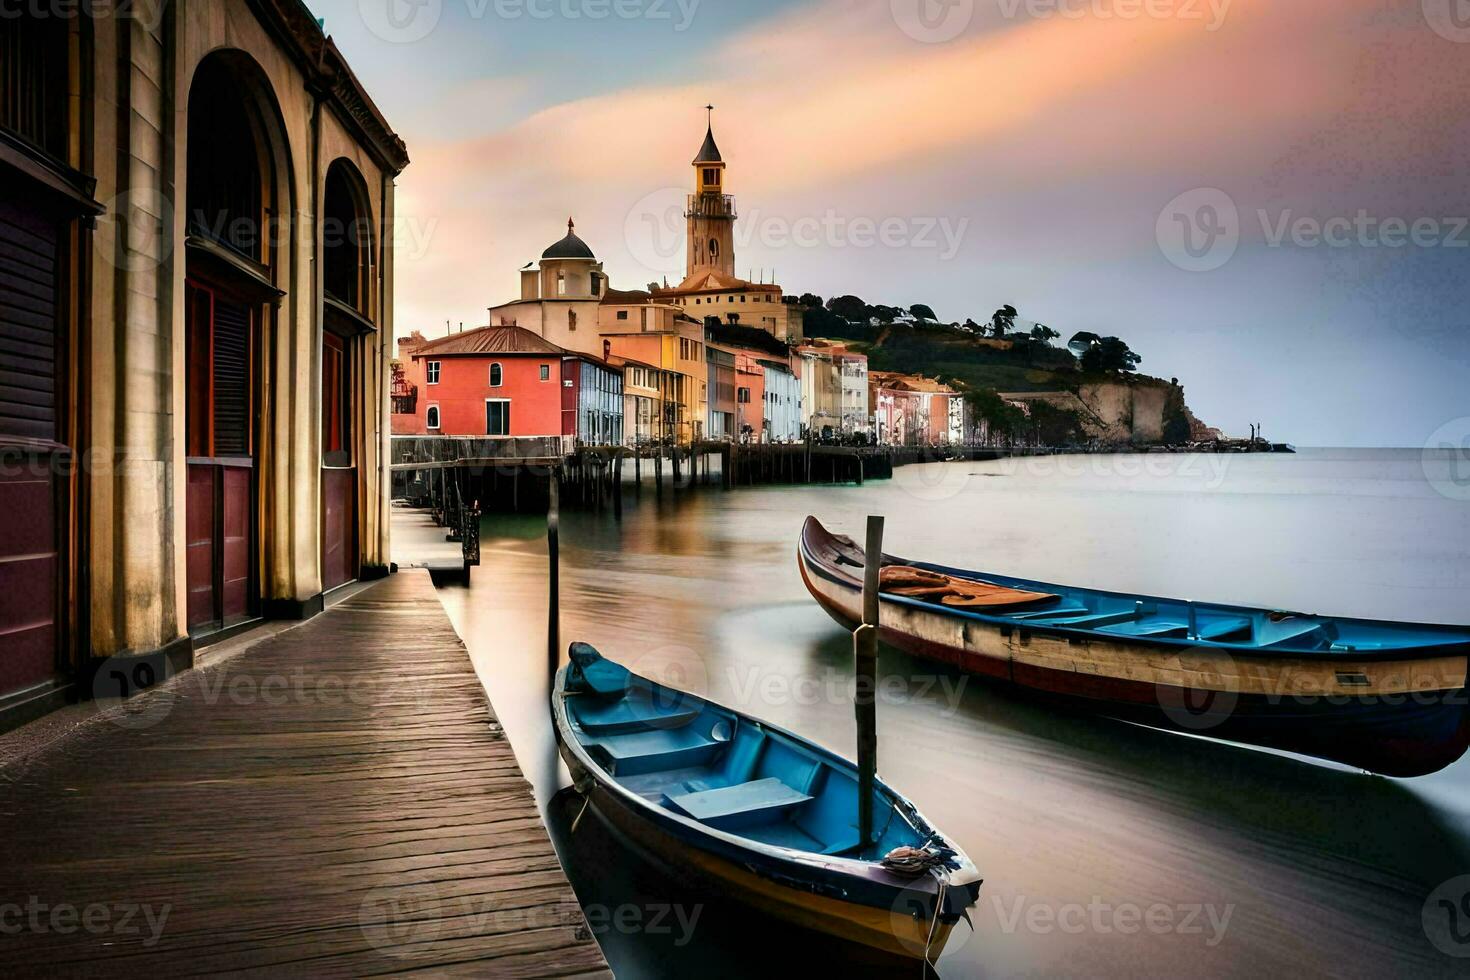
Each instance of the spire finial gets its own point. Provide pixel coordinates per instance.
(571, 225)
(711, 115)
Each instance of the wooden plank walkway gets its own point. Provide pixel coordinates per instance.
(335, 801)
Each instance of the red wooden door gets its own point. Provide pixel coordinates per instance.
(339, 474)
(30, 442)
(220, 500)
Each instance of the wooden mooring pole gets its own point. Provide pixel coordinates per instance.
(865, 672)
(553, 605)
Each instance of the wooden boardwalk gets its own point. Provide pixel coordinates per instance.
(335, 801)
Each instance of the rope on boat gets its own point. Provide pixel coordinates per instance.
(913, 861)
(934, 919)
(586, 801)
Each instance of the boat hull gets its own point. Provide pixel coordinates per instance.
(1398, 716)
(885, 929)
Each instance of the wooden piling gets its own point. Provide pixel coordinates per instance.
(865, 671)
(553, 604)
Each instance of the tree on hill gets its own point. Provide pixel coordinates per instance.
(923, 311)
(849, 308)
(885, 314)
(1003, 321)
(1110, 355)
(810, 301)
(1003, 421)
(1043, 334)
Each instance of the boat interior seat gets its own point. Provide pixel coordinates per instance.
(1221, 629)
(741, 805)
(1148, 628)
(1053, 612)
(1088, 622)
(630, 714)
(1296, 633)
(651, 751)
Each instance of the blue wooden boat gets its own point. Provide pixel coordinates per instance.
(747, 810)
(1383, 696)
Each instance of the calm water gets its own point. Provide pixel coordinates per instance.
(1252, 862)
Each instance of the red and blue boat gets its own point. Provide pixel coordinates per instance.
(1383, 696)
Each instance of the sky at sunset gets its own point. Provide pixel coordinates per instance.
(1267, 199)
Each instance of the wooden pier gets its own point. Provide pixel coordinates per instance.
(337, 800)
(451, 476)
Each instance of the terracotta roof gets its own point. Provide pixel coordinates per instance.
(490, 340)
(625, 297)
(714, 281)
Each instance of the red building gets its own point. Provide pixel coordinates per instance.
(507, 382)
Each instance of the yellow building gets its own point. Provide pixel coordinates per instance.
(710, 287)
(660, 335)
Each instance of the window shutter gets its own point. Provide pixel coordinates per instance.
(28, 310)
(231, 378)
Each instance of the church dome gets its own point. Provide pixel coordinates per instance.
(570, 247)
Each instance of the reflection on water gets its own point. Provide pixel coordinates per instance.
(1107, 849)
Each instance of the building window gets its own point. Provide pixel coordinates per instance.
(571, 320)
(432, 368)
(712, 176)
(497, 418)
(714, 249)
(743, 396)
(432, 422)
(561, 284)
(546, 372)
(336, 400)
(497, 375)
(622, 314)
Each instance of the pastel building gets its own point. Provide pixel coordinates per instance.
(662, 338)
(507, 382)
(782, 402)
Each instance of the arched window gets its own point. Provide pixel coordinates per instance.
(347, 239)
(714, 249)
(227, 168)
(497, 375)
(432, 419)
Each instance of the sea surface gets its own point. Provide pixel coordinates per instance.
(1107, 849)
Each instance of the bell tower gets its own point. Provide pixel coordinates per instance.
(711, 212)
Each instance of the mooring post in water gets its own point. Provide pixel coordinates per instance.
(865, 671)
(553, 605)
